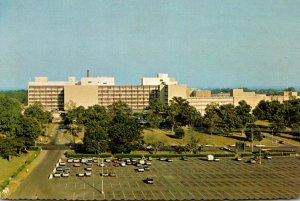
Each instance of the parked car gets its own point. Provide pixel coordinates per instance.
(147, 168)
(89, 164)
(88, 173)
(140, 169)
(122, 163)
(238, 158)
(112, 174)
(88, 169)
(184, 158)
(67, 170)
(105, 174)
(101, 164)
(76, 165)
(57, 174)
(162, 158)
(149, 180)
(70, 160)
(59, 168)
(62, 163)
(252, 161)
(76, 160)
(169, 160)
(107, 160)
(268, 157)
(148, 163)
(65, 174)
(80, 174)
(217, 159)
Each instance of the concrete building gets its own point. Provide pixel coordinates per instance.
(162, 78)
(61, 95)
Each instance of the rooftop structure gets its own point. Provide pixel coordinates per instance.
(60, 95)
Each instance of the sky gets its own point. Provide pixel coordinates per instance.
(203, 43)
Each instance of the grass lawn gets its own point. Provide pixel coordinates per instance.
(262, 123)
(9, 167)
(168, 138)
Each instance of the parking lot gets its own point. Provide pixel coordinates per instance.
(277, 178)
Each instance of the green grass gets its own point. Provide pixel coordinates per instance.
(168, 138)
(262, 123)
(8, 168)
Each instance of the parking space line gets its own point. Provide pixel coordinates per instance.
(143, 194)
(133, 195)
(114, 195)
(124, 195)
(172, 194)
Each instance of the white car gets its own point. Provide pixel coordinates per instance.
(88, 174)
(80, 174)
(65, 174)
(88, 169)
(76, 160)
(101, 164)
(107, 160)
(141, 170)
(122, 163)
(217, 159)
(70, 160)
(62, 163)
(57, 174)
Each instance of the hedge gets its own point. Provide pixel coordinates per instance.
(71, 154)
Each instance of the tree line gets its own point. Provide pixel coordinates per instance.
(19, 130)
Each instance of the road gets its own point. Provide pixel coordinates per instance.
(45, 163)
(36, 177)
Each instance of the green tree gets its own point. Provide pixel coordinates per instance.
(243, 112)
(229, 118)
(10, 114)
(193, 144)
(37, 111)
(180, 113)
(211, 118)
(253, 133)
(124, 133)
(155, 113)
(28, 131)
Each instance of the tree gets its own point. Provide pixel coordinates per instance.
(193, 144)
(230, 120)
(10, 113)
(95, 139)
(8, 148)
(124, 133)
(253, 133)
(37, 111)
(28, 131)
(179, 133)
(243, 111)
(211, 118)
(155, 113)
(180, 113)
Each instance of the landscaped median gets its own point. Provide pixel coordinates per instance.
(11, 169)
(72, 154)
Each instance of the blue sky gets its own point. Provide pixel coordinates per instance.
(203, 43)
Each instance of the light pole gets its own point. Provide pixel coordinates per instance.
(272, 134)
(102, 191)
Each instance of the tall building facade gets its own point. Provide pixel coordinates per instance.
(60, 95)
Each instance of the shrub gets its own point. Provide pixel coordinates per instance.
(179, 133)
